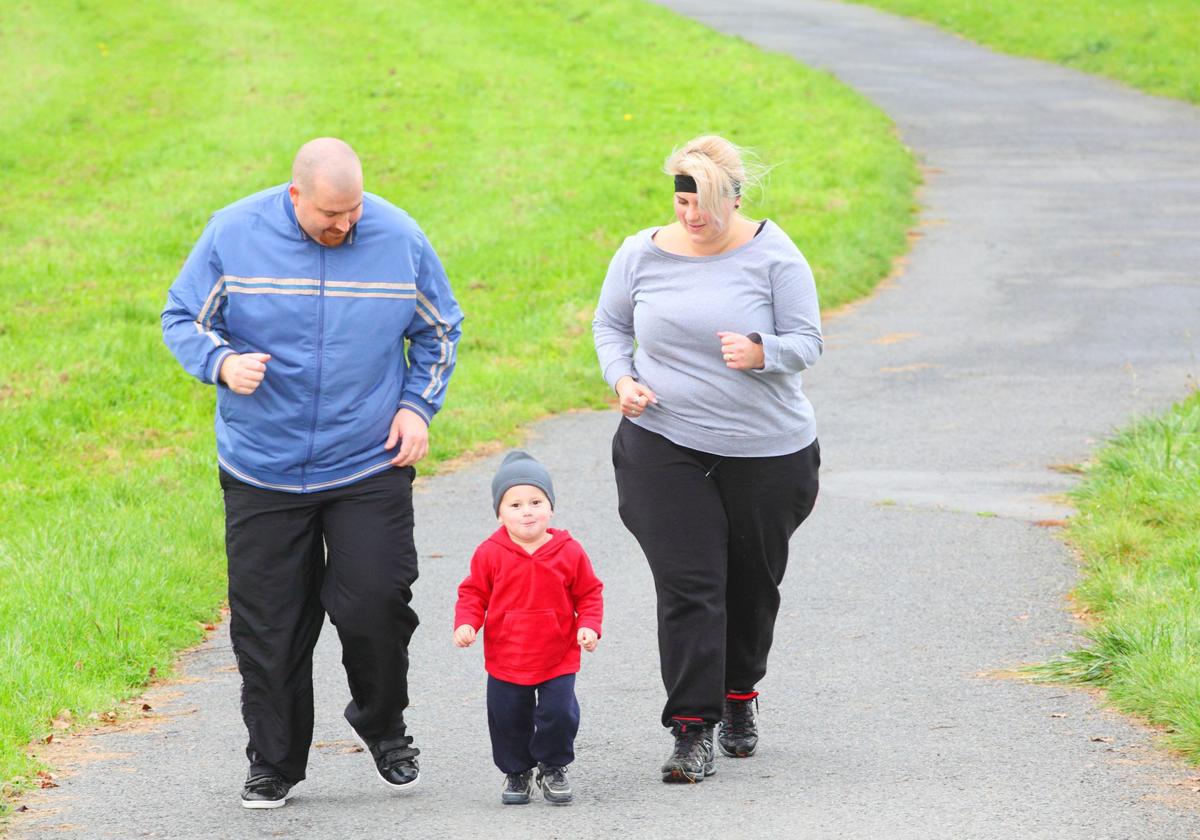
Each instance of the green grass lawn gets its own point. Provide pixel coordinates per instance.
(527, 139)
(1138, 529)
(1150, 44)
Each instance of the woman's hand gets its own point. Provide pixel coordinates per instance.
(740, 353)
(633, 397)
(464, 635)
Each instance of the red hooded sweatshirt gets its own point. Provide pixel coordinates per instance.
(534, 605)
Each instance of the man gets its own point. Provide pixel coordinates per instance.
(325, 320)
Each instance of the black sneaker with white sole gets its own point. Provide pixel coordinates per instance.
(553, 781)
(396, 765)
(518, 788)
(692, 758)
(265, 790)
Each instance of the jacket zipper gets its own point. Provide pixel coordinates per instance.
(312, 430)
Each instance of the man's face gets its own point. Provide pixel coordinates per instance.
(326, 213)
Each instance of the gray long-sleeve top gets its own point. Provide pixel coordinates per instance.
(658, 319)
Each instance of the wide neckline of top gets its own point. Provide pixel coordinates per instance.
(724, 255)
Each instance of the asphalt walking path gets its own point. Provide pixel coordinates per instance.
(1051, 298)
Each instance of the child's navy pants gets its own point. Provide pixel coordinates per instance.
(532, 723)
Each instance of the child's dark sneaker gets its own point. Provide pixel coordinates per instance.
(518, 787)
(553, 781)
(738, 735)
(692, 759)
(265, 790)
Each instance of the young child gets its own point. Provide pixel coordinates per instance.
(533, 591)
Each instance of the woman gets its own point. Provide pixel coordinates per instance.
(702, 329)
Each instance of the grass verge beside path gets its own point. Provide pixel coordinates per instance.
(1150, 44)
(526, 137)
(1138, 528)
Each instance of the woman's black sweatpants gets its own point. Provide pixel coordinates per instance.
(715, 532)
(348, 552)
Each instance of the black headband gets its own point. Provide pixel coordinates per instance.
(687, 184)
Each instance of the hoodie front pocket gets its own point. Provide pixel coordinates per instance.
(532, 640)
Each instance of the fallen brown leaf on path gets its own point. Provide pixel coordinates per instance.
(908, 368)
(894, 338)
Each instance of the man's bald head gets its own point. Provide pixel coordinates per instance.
(330, 162)
(327, 190)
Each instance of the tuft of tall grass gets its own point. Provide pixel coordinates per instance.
(1138, 531)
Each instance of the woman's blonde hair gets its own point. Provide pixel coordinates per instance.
(719, 168)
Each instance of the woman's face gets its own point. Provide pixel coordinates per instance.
(699, 225)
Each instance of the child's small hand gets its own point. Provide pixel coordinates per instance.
(587, 638)
(464, 635)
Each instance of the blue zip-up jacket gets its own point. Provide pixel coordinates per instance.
(335, 321)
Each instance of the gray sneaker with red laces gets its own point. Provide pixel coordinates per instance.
(738, 736)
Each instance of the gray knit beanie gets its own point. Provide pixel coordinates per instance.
(519, 467)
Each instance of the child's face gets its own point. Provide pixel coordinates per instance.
(525, 513)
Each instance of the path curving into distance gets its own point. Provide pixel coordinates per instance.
(1053, 296)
